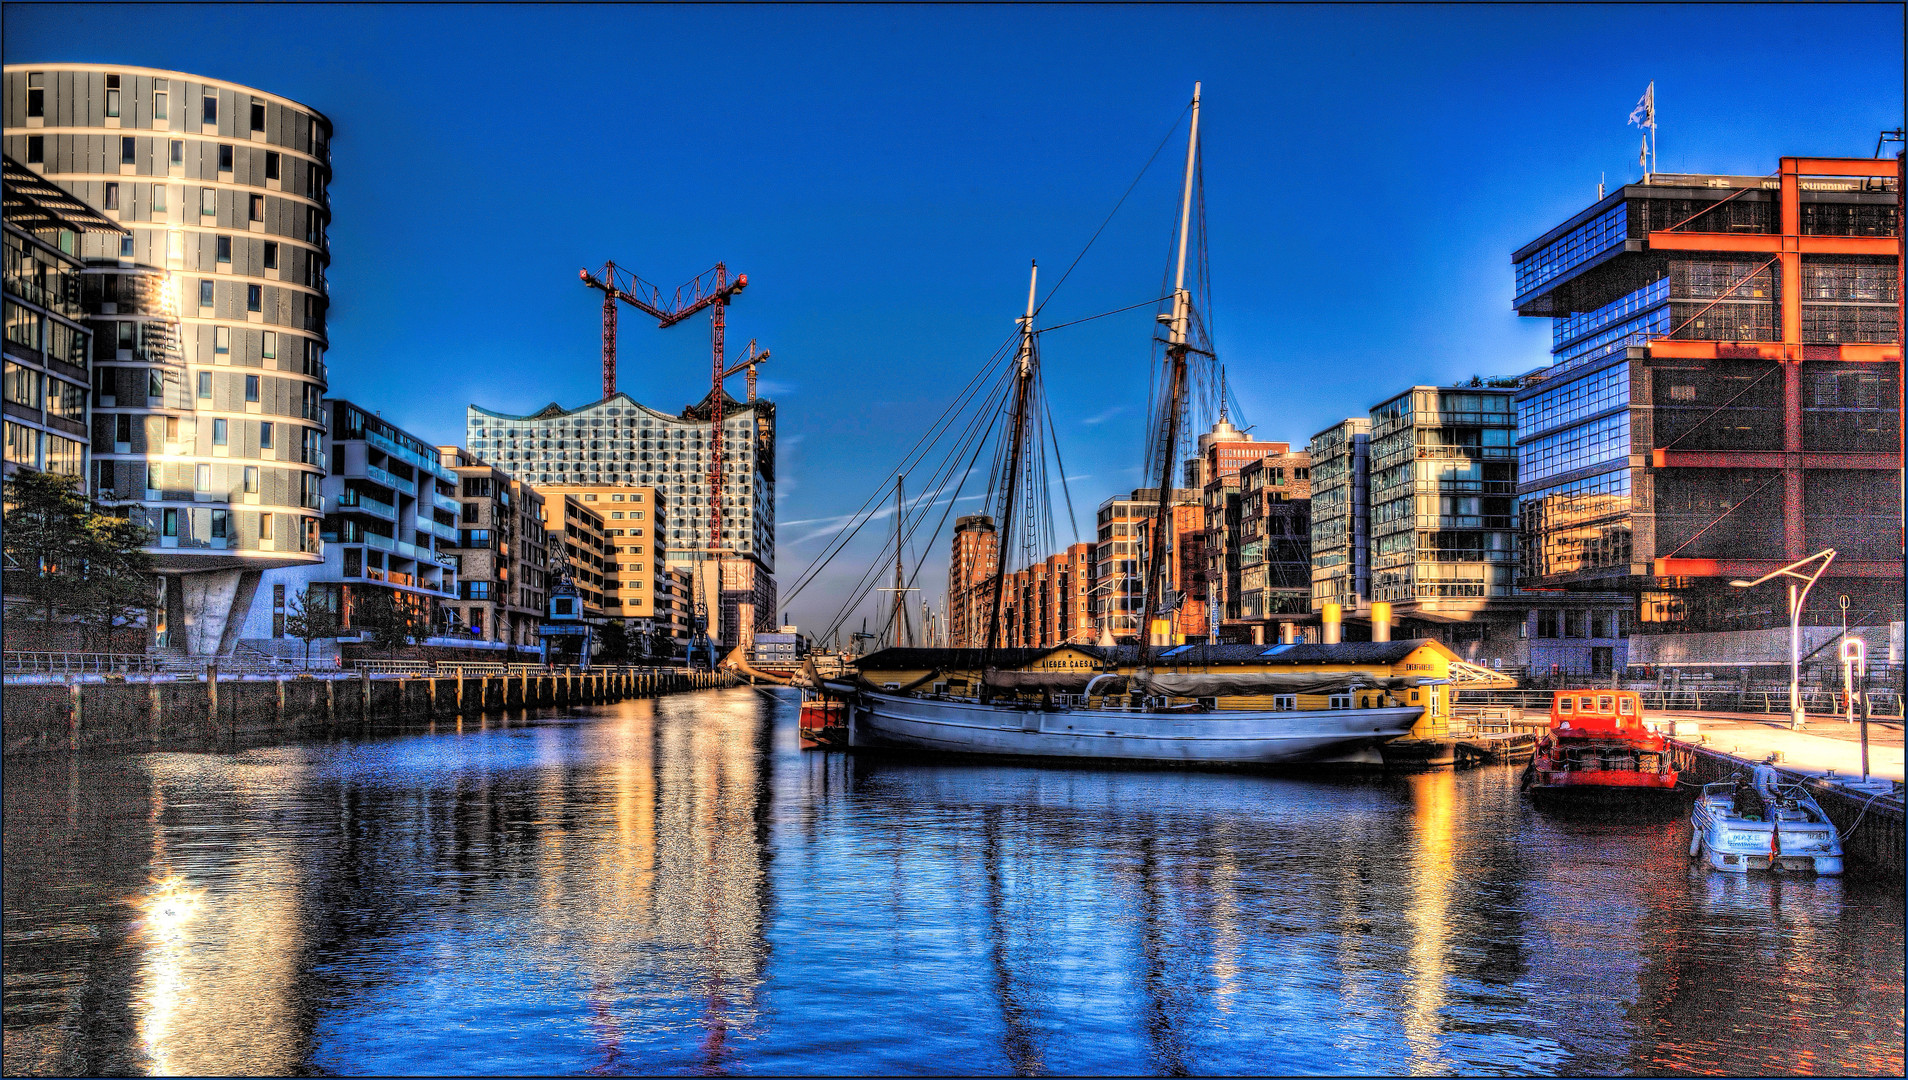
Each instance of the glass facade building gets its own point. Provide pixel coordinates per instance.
(618, 442)
(48, 344)
(1723, 395)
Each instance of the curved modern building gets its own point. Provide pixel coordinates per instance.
(208, 317)
(621, 443)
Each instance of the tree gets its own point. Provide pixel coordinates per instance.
(613, 644)
(309, 618)
(661, 645)
(378, 613)
(66, 554)
(119, 579)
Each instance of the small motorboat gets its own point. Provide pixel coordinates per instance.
(1763, 825)
(1599, 750)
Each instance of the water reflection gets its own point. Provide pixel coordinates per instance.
(674, 886)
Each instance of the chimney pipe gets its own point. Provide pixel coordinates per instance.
(1381, 621)
(1258, 635)
(1332, 621)
(1288, 633)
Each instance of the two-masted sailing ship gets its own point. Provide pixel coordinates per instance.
(1152, 700)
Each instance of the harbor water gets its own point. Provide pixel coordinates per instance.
(674, 886)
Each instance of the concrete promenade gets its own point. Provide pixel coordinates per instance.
(1822, 746)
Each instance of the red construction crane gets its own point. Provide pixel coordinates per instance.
(713, 290)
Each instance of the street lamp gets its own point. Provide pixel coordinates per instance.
(1793, 572)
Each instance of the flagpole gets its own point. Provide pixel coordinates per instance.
(1655, 161)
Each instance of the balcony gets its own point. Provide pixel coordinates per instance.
(382, 543)
(353, 499)
(446, 503)
(442, 531)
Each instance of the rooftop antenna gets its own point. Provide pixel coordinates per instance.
(1600, 179)
(1896, 135)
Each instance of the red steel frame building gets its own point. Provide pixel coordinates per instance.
(1745, 278)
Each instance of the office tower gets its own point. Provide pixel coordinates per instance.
(1723, 398)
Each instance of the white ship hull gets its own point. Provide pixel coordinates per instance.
(1222, 737)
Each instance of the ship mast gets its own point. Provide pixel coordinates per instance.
(1022, 399)
(1160, 550)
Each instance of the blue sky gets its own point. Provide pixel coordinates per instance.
(884, 174)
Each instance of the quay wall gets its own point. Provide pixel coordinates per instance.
(1874, 829)
(137, 713)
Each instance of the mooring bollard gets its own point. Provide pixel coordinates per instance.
(212, 696)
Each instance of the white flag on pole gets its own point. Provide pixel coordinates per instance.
(1643, 155)
(1644, 115)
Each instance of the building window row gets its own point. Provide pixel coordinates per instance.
(1602, 440)
(1579, 245)
(1572, 401)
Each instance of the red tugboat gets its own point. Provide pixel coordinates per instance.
(1598, 750)
(824, 721)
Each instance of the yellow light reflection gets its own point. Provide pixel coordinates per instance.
(1433, 795)
(166, 911)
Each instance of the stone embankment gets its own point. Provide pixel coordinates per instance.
(137, 712)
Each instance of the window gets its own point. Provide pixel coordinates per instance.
(169, 523)
(208, 202)
(202, 478)
(271, 255)
(1626, 706)
(251, 479)
(36, 93)
(111, 202)
(126, 246)
(209, 113)
(589, 498)
(222, 528)
(251, 388)
(265, 436)
(617, 514)
(224, 246)
(268, 347)
(36, 149)
(1566, 705)
(225, 158)
(218, 432)
(126, 150)
(205, 385)
(159, 198)
(22, 385)
(258, 116)
(112, 95)
(65, 399)
(271, 164)
(265, 526)
(254, 297)
(178, 151)
(158, 100)
(221, 340)
(258, 208)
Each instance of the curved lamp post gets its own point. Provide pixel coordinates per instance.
(1794, 573)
